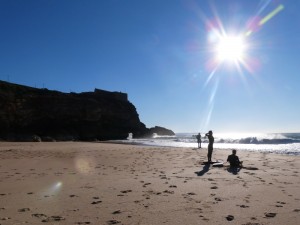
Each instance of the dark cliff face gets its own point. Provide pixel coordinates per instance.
(101, 115)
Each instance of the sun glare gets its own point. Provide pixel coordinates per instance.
(231, 49)
(235, 47)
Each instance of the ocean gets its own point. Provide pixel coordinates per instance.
(282, 143)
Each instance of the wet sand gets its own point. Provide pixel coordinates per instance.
(104, 183)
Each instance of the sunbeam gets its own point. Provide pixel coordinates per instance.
(210, 77)
(210, 107)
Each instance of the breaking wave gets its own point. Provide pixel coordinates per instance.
(284, 143)
(282, 138)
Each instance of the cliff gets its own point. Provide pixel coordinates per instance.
(28, 114)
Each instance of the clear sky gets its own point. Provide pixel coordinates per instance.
(166, 55)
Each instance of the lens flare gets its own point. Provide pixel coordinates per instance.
(84, 165)
(255, 23)
(57, 185)
(52, 189)
(271, 14)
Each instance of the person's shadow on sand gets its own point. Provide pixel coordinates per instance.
(204, 170)
(234, 170)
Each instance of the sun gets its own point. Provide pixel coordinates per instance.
(230, 49)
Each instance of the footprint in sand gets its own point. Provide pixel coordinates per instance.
(146, 184)
(113, 222)
(205, 219)
(254, 218)
(53, 219)
(40, 216)
(249, 223)
(117, 212)
(5, 218)
(24, 210)
(169, 192)
(96, 202)
(281, 203)
(230, 217)
(126, 191)
(72, 196)
(270, 215)
(191, 193)
(243, 206)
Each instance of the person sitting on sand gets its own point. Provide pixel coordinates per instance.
(234, 160)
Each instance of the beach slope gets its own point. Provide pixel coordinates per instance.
(104, 183)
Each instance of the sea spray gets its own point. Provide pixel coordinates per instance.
(283, 143)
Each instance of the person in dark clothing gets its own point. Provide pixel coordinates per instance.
(198, 136)
(210, 145)
(234, 160)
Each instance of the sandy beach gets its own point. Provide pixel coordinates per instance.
(104, 183)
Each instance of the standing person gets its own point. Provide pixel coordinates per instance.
(198, 136)
(210, 144)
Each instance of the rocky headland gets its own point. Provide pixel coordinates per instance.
(33, 114)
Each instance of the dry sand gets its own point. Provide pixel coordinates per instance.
(101, 183)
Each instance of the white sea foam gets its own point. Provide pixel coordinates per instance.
(283, 143)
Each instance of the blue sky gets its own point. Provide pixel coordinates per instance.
(161, 54)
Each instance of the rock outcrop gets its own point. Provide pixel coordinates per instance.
(161, 131)
(32, 114)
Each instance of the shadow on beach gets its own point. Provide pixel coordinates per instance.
(234, 170)
(204, 170)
